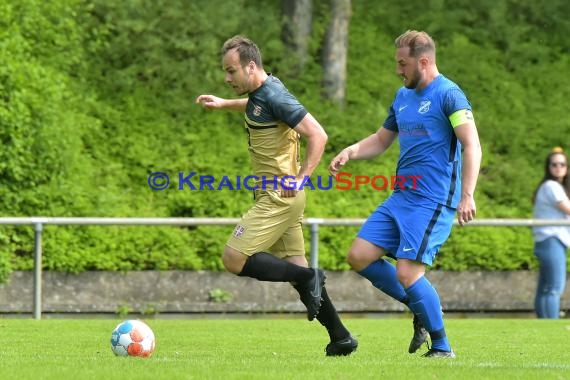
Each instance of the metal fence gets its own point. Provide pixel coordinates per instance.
(314, 224)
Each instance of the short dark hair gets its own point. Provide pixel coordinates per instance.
(246, 48)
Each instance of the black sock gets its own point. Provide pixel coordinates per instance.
(329, 318)
(265, 267)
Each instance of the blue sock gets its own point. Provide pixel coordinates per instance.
(382, 274)
(424, 302)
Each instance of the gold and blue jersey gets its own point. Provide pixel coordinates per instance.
(271, 115)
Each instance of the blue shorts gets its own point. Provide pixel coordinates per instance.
(409, 226)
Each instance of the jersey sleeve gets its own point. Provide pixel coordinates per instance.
(390, 121)
(554, 192)
(454, 101)
(287, 108)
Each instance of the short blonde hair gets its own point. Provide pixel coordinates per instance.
(419, 43)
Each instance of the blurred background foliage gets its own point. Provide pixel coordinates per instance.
(95, 95)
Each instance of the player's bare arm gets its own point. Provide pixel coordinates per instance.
(467, 134)
(215, 102)
(312, 131)
(370, 147)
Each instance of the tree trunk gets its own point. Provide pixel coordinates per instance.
(296, 31)
(335, 52)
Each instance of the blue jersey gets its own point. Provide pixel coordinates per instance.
(430, 154)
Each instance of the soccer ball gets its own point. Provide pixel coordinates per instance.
(132, 338)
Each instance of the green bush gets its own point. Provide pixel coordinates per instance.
(95, 96)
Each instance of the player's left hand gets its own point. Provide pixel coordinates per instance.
(291, 188)
(210, 101)
(339, 161)
(466, 210)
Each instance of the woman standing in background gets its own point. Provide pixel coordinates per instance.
(551, 242)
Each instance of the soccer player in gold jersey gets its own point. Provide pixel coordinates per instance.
(268, 244)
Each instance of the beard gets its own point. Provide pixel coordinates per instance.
(413, 81)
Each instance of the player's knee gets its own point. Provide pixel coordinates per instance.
(362, 253)
(233, 260)
(351, 257)
(356, 260)
(408, 272)
(405, 278)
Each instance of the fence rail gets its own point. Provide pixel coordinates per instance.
(314, 223)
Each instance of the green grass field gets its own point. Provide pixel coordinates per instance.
(283, 348)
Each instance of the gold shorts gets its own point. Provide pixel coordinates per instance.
(273, 225)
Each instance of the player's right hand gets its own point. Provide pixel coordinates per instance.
(210, 101)
(339, 161)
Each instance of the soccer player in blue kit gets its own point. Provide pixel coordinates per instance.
(432, 119)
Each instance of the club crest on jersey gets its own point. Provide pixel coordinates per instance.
(238, 231)
(256, 110)
(424, 106)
